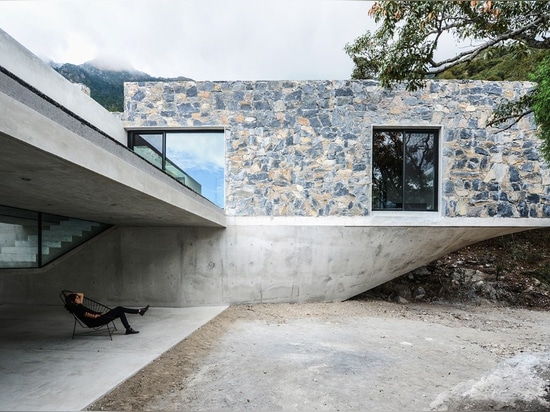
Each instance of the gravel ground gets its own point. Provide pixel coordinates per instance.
(349, 356)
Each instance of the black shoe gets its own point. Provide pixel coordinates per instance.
(131, 331)
(143, 310)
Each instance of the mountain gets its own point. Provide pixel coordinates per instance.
(106, 85)
(498, 64)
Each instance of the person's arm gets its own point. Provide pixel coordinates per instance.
(87, 312)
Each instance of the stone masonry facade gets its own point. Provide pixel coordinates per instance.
(303, 148)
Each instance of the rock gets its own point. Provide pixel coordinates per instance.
(457, 276)
(489, 291)
(423, 271)
(419, 293)
(479, 276)
(479, 285)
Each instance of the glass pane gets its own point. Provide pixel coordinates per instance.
(420, 171)
(387, 170)
(149, 146)
(198, 159)
(61, 234)
(18, 238)
(22, 243)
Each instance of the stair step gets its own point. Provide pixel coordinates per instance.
(18, 257)
(34, 243)
(19, 249)
(23, 249)
(18, 264)
(65, 236)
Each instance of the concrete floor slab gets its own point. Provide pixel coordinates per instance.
(42, 368)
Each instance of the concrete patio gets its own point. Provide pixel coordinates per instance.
(42, 368)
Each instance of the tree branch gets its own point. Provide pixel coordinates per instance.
(516, 117)
(439, 67)
(536, 44)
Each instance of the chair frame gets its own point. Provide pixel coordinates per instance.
(96, 307)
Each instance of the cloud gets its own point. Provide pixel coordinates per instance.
(197, 150)
(201, 39)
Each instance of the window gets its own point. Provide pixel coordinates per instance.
(195, 158)
(404, 169)
(32, 239)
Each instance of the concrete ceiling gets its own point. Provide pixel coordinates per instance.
(33, 179)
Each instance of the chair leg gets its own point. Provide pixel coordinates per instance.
(109, 331)
(111, 327)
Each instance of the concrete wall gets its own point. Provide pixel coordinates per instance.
(248, 262)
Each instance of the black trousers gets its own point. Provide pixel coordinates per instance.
(118, 312)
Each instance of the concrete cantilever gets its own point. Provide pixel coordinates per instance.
(309, 261)
(64, 154)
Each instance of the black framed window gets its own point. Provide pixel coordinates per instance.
(404, 169)
(195, 158)
(32, 239)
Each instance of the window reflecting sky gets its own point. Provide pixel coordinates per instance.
(202, 156)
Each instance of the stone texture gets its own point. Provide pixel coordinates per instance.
(303, 148)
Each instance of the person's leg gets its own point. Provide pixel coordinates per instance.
(119, 312)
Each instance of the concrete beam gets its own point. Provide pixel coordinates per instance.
(46, 167)
(15, 58)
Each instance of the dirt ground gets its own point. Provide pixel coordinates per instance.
(469, 332)
(354, 355)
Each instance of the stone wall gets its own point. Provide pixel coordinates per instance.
(303, 148)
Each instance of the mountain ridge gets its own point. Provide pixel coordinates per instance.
(106, 85)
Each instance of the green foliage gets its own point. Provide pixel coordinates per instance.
(402, 49)
(529, 239)
(498, 64)
(540, 103)
(536, 102)
(505, 40)
(523, 252)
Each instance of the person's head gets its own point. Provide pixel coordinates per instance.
(69, 301)
(70, 298)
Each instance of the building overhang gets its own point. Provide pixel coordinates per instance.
(69, 157)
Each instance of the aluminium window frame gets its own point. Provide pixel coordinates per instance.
(131, 132)
(438, 130)
(164, 131)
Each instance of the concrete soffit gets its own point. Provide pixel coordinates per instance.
(62, 153)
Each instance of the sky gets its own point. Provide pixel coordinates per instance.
(199, 39)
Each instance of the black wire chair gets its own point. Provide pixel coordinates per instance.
(94, 306)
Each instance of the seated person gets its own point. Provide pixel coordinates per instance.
(94, 319)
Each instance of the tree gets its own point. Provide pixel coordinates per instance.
(539, 102)
(403, 48)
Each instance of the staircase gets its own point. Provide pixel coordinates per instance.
(19, 245)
